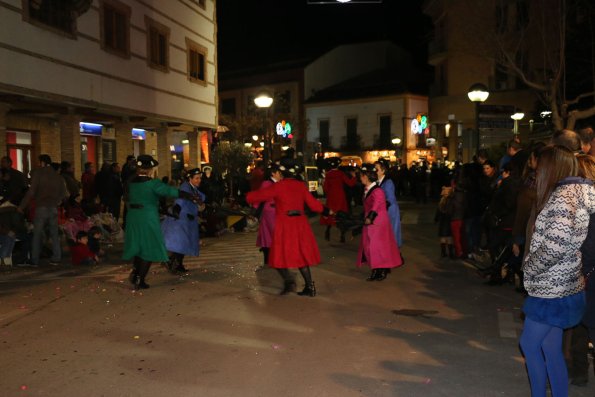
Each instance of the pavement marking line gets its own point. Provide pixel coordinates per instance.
(506, 325)
(28, 280)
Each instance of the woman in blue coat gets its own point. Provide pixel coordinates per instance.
(382, 166)
(180, 227)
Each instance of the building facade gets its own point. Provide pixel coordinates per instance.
(354, 98)
(462, 58)
(98, 80)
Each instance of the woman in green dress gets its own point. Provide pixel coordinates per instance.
(143, 239)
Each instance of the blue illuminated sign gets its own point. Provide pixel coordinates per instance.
(138, 133)
(90, 129)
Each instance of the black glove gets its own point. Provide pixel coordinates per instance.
(175, 211)
(190, 197)
(326, 211)
(371, 216)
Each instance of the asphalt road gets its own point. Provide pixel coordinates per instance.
(431, 329)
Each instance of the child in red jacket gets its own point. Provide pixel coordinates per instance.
(81, 254)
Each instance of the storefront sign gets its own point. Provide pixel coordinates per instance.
(90, 129)
(284, 129)
(419, 125)
(139, 134)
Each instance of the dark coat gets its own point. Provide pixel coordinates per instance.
(504, 201)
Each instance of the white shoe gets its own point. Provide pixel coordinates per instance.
(7, 261)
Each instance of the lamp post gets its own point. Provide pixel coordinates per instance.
(264, 101)
(397, 142)
(516, 117)
(478, 93)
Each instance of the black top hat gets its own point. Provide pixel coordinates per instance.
(334, 162)
(146, 161)
(288, 166)
(192, 172)
(384, 163)
(370, 171)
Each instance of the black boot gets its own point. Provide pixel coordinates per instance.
(265, 255)
(374, 275)
(382, 273)
(180, 267)
(289, 285)
(342, 236)
(133, 278)
(443, 248)
(143, 270)
(327, 234)
(172, 263)
(309, 288)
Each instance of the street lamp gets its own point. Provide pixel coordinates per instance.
(516, 117)
(478, 93)
(264, 101)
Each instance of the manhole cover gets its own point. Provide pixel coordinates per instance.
(414, 312)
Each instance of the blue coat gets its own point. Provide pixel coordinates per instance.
(181, 235)
(394, 214)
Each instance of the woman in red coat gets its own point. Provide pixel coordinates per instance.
(378, 248)
(294, 245)
(335, 181)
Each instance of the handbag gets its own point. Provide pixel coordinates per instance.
(491, 220)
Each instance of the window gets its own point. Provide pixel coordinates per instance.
(197, 58)
(500, 77)
(522, 14)
(108, 151)
(228, 106)
(352, 140)
(384, 138)
(282, 102)
(324, 134)
(157, 45)
(501, 18)
(55, 14)
(115, 27)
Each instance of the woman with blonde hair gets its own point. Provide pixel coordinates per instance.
(552, 268)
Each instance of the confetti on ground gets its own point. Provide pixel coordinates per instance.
(24, 387)
(136, 337)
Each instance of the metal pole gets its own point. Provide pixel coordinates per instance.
(477, 127)
(266, 156)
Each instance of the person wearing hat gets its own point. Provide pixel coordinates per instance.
(335, 181)
(266, 213)
(382, 167)
(378, 248)
(293, 244)
(143, 241)
(181, 229)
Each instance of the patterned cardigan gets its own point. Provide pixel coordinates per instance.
(553, 265)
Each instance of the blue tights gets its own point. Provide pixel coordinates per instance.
(542, 346)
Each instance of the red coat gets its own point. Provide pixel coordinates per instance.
(294, 244)
(334, 189)
(80, 252)
(378, 248)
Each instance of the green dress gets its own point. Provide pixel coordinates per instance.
(143, 236)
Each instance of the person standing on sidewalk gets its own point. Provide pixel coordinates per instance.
(378, 248)
(143, 241)
(335, 182)
(552, 268)
(294, 244)
(48, 191)
(181, 229)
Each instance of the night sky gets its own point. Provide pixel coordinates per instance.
(257, 33)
